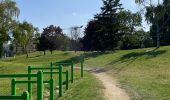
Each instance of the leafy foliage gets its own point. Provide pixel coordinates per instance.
(113, 28)
(52, 38)
(8, 11)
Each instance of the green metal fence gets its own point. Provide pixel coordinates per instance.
(24, 96)
(70, 63)
(60, 72)
(40, 80)
(39, 77)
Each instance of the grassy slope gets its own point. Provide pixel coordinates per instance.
(144, 74)
(82, 88)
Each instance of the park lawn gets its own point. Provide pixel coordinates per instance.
(143, 73)
(85, 88)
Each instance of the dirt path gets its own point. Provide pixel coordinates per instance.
(111, 89)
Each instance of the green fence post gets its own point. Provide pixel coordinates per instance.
(72, 72)
(40, 85)
(25, 96)
(51, 70)
(13, 87)
(60, 81)
(51, 89)
(82, 68)
(29, 84)
(67, 80)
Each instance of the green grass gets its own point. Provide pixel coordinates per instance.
(80, 88)
(143, 73)
(84, 89)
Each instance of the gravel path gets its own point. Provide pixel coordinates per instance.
(111, 90)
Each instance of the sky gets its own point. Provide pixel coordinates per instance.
(63, 13)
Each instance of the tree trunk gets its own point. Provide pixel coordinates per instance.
(158, 37)
(26, 51)
(44, 52)
(16, 49)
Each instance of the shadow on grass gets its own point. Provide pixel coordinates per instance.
(132, 57)
(34, 56)
(128, 58)
(86, 55)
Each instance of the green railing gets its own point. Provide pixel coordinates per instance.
(39, 75)
(40, 80)
(24, 96)
(54, 65)
(15, 82)
(59, 68)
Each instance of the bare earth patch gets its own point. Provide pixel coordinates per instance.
(111, 89)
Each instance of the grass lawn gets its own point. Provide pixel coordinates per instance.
(87, 88)
(144, 73)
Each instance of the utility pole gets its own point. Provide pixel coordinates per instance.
(75, 33)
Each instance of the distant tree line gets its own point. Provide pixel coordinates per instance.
(53, 38)
(112, 28)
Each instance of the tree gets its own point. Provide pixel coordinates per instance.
(8, 11)
(129, 23)
(110, 26)
(49, 39)
(75, 35)
(103, 32)
(42, 45)
(93, 39)
(154, 15)
(22, 34)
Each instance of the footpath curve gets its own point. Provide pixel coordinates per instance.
(111, 90)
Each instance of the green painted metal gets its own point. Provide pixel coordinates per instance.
(17, 75)
(51, 89)
(82, 68)
(10, 97)
(13, 87)
(29, 84)
(51, 75)
(25, 96)
(67, 80)
(51, 70)
(21, 82)
(60, 81)
(72, 72)
(42, 68)
(68, 63)
(40, 86)
(40, 81)
(50, 82)
(54, 72)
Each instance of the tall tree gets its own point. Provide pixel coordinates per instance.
(75, 36)
(8, 11)
(49, 39)
(153, 14)
(108, 20)
(22, 34)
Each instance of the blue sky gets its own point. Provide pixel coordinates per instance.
(64, 13)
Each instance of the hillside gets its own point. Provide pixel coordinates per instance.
(143, 73)
(85, 87)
